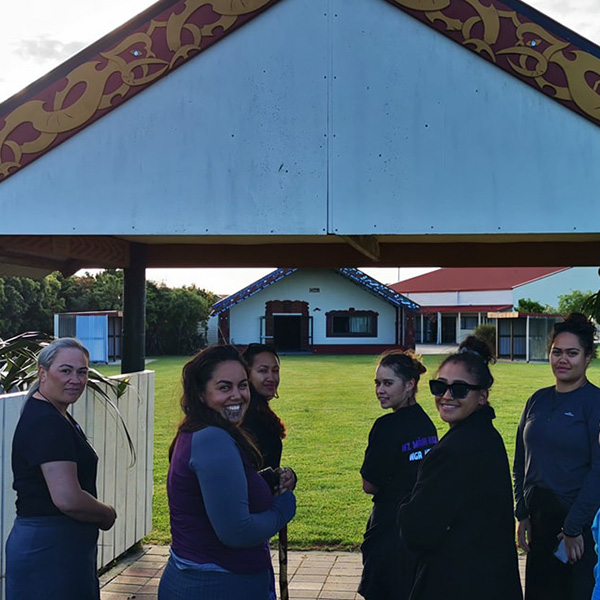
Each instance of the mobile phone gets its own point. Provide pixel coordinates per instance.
(561, 552)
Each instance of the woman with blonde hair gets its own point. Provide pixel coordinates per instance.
(51, 550)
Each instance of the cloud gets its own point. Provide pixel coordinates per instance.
(45, 49)
(579, 15)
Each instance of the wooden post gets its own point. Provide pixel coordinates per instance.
(134, 311)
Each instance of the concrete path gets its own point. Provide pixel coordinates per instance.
(312, 575)
(436, 349)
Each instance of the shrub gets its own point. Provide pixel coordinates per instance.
(487, 332)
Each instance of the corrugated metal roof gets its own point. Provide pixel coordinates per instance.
(465, 279)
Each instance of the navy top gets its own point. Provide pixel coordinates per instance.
(222, 511)
(43, 435)
(398, 442)
(557, 449)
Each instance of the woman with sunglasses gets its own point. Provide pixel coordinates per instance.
(459, 518)
(557, 470)
(398, 442)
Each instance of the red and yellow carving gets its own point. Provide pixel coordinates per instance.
(516, 44)
(184, 28)
(92, 88)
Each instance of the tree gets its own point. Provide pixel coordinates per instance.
(27, 305)
(487, 332)
(574, 302)
(175, 317)
(531, 306)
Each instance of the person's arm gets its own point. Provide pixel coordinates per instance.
(586, 504)
(521, 512)
(217, 462)
(70, 499)
(368, 487)
(596, 536)
(376, 464)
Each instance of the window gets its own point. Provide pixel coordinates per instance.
(351, 323)
(468, 322)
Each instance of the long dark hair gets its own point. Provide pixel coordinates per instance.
(197, 415)
(259, 405)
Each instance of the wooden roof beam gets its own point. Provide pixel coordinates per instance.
(367, 245)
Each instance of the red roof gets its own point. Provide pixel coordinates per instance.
(471, 279)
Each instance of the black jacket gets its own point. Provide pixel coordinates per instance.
(460, 517)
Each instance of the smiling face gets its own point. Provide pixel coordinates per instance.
(568, 362)
(264, 374)
(227, 391)
(454, 410)
(65, 379)
(392, 391)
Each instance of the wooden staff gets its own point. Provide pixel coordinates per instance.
(283, 564)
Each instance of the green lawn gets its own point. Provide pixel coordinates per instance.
(328, 405)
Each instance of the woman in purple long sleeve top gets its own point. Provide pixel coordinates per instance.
(222, 512)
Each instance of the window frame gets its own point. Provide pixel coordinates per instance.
(333, 314)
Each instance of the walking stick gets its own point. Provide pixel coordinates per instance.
(283, 563)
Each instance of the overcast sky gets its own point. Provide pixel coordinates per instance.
(37, 35)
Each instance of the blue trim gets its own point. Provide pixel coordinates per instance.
(355, 275)
(250, 290)
(377, 288)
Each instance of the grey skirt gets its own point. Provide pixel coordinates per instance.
(52, 558)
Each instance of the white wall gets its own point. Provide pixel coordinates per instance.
(462, 298)
(336, 293)
(317, 117)
(442, 142)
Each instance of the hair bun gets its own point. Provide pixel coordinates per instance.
(478, 346)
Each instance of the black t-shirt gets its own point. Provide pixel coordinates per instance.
(43, 435)
(398, 442)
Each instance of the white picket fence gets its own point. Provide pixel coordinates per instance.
(127, 488)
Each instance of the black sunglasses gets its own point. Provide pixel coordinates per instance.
(458, 390)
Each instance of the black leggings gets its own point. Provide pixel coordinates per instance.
(546, 577)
